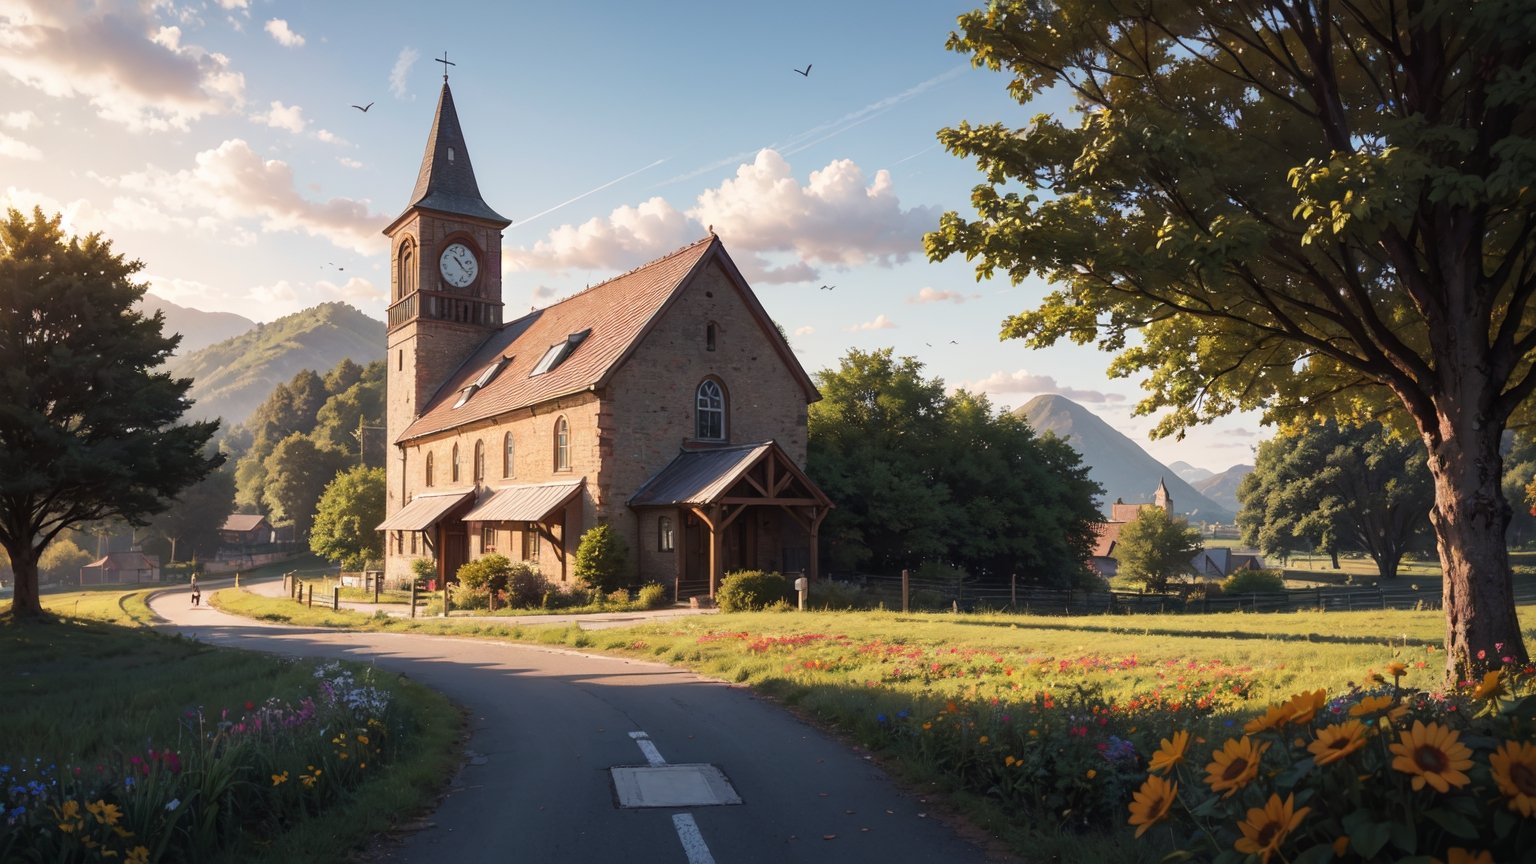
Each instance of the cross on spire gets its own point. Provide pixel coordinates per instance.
(446, 63)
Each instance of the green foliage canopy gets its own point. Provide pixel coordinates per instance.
(347, 518)
(921, 476)
(88, 429)
(602, 558)
(298, 472)
(1155, 547)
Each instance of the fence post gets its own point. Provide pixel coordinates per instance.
(1013, 599)
(413, 597)
(378, 582)
(336, 598)
(445, 596)
(311, 596)
(906, 590)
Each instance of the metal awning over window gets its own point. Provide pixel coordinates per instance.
(524, 503)
(423, 512)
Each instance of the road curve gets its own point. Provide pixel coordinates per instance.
(548, 725)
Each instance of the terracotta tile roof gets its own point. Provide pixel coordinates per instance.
(1106, 535)
(616, 314)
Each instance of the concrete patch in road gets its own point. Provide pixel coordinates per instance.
(672, 786)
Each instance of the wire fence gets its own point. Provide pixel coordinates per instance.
(967, 595)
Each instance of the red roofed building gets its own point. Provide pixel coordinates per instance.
(663, 401)
(1108, 533)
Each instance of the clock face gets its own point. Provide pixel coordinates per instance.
(458, 265)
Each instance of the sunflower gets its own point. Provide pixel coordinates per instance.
(1274, 717)
(1370, 705)
(1458, 855)
(1397, 669)
(1151, 803)
(1492, 685)
(1234, 765)
(1304, 705)
(1267, 827)
(1514, 769)
(1433, 754)
(1170, 753)
(1335, 742)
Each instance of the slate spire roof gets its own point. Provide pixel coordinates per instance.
(446, 182)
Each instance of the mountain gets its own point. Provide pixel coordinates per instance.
(1222, 488)
(1116, 462)
(1190, 473)
(198, 329)
(232, 378)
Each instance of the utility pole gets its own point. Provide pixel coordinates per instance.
(359, 436)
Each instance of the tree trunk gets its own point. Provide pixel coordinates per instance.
(1469, 519)
(26, 603)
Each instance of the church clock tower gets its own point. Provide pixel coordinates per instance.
(445, 280)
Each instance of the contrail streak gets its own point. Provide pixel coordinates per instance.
(569, 201)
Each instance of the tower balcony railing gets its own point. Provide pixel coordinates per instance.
(439, 306)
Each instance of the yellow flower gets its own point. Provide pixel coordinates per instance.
(1514, 769)
(984, 739)
(1490, 686)
(1434, 755)
(106, 814)
(279, 779)
(138, 855)
(1092, 774)
(1151, 803)
(1335, 742)
(1340, 846)
(1274, 717)
(1170, 753)
(1458, 855)
(1266, 827)
(362, 739)
(1370, 705)
(1304, 705)
(1397, 669)
(1234, 765)
(927, 726)
(1009, 761)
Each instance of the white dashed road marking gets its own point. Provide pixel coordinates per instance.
(687, 829)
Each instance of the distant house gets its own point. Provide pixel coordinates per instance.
(1107, 534)
(243, 529)
(1217, 564)
(120, 567)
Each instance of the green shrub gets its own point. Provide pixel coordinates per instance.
(424, 568)
(466, 597)
(526, 586)
(601, 558)
(618, 597)
(652, 596)
(750, 590)
(1254, 582)
(485, 574)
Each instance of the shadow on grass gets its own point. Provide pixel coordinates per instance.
(1333, 639)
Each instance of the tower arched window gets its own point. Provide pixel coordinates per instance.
(405, 283)
(709, 412)
(429, 471)
(453, 466)
(562, 445)
(507, 455)
(479, 461)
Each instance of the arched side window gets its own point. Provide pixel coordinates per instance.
(507, 455)
(665, 541)
(562, 445)
(479, 461)
(429, 471)
(709, 413)
(453, 466)
(709, 336)
(406, 283)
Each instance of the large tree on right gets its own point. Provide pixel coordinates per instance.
(1319, 208)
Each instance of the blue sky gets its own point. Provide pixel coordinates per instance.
(216, 141)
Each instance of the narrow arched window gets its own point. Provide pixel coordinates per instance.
(562, 445)
(453, 466)
(507, 455)
(709, 336)
(479, 461)
(405, 284)
(709, 415)
(429, 470)
(664, 538)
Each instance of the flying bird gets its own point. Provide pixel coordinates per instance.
(363, 108)
(828, 287)
(806, 71)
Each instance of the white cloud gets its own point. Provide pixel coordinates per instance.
(880, 322)
(278, 29)
(231, 186)
(401, 71)
(231, 5)
(626, 237)
(776, 229)
(1025, 382)
(132, 71)
(837, 217)
(356, 290)
(348, 162)
(15, 149)
(280, 116)
(929, 295)
(330, 137)
(18, 120)
(805, 331)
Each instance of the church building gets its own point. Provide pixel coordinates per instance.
(664, 402)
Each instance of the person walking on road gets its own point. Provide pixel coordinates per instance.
(197, 593)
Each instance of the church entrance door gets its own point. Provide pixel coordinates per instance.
(455, 548)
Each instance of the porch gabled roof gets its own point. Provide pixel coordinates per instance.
(748, 473)
(424, 511)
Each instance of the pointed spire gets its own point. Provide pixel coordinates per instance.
(446, 182)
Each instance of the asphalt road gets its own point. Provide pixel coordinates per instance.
(547, 726)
